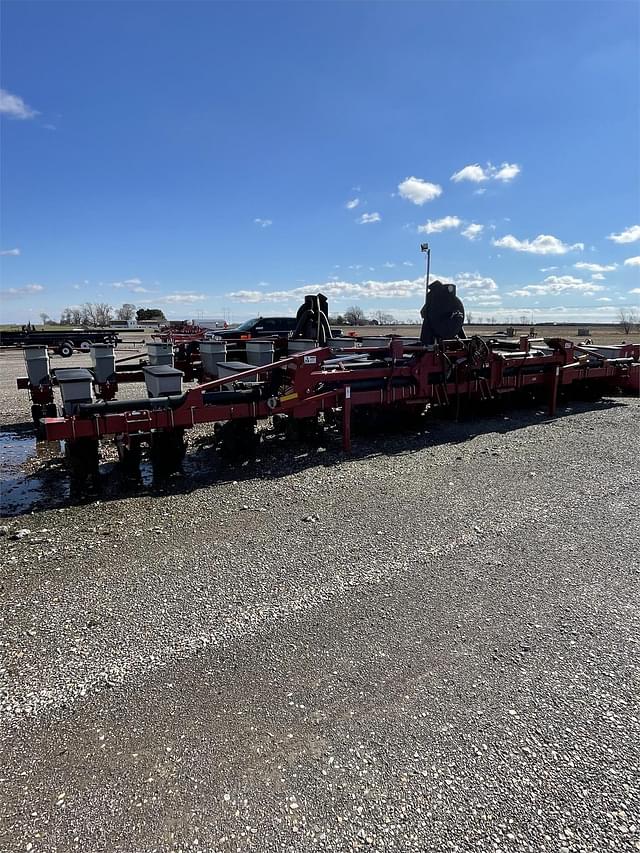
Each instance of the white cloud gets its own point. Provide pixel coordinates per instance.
(603, 299)
(435, 226)
(563, 279)
(483, 298)
(629, 235)
(475, 287)
(418, 190)
(597, 276)
(14, 107)
(185, 296)
(132, 284)
(633, 262)
(473, 173)
(353, 202)
(543, 244)
(473, 231)
(548, 269)
(556, 284)
(366, 218)
(388, 265)
(582, 265)
(477, 173)
(263, 223)
(507, 172)
(635, 290)
(480, 191)
(407, 263)
(10, 252)
(474, 281)
(400, 289)
(17, 292)
(254, 295)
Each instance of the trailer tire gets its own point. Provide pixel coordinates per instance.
(66, 349)
(85, 346)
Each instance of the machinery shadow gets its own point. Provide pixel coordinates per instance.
(44, 482)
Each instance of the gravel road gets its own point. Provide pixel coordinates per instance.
(429, 646)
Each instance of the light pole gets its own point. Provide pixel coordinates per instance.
(424, 247)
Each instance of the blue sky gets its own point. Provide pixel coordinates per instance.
(201, 157)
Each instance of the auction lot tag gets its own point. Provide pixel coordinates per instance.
(309, 359)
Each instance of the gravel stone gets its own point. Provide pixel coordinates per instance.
(446, 661)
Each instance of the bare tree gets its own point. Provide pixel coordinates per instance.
(627, 320)
(96, 314)
(127, 312)
(104, 313)
(384, 318)
(88, 314)
(523, 319)
(470, 317)
(354, 316)
(43, 317)
(71, 316)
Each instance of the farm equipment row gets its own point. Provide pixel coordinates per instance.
(325, 381)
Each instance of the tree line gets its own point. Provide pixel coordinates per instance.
(103, 314)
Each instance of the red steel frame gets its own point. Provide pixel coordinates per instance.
(485, 377)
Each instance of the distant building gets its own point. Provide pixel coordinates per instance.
(125, 324)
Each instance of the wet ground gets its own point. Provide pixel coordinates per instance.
(27, 481)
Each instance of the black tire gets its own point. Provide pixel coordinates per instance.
(239, 439)
(167, 449)
(85, 346)
(66, 350)
(130, 456)
(36, 413)
(82, 457)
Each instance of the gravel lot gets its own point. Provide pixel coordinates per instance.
(443, 658)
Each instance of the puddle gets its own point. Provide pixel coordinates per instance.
(15, 449)
(24, 483)
(33, 475)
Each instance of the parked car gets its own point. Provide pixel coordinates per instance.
(258, 327)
